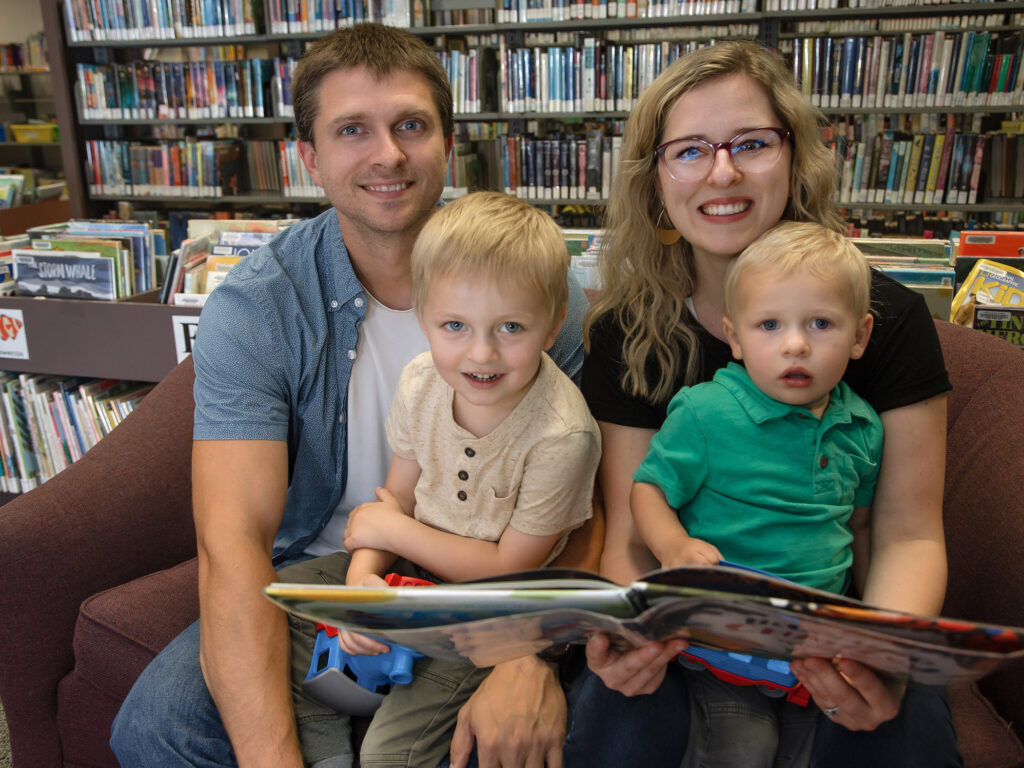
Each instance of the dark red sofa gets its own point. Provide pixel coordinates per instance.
(97, 568)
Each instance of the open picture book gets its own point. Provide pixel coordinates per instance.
(719, 607)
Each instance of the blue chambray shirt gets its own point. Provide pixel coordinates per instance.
(273, 354)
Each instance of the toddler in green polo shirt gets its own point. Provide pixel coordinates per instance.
(773, 463)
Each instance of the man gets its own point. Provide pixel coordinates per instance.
(296, 358)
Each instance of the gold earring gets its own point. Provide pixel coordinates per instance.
(666, 236)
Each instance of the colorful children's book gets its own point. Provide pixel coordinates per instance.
(717, 607)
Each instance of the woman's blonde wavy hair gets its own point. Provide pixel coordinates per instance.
(646, 283)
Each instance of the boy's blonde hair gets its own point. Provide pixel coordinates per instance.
(803, 246)
(496, 236)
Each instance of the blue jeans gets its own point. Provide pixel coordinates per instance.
(170, 698)
(608, 729)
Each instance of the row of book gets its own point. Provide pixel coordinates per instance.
(580, 167)
(83, 259)
(49, 422)
(892, 24)
(28, 55)
(947, 168)
(813, 5)
(597, 76)
(191, 90)
(524, 11)
(935, 69)
(109, 20)
(190, 168)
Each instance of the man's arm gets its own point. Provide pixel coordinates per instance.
(238, 493)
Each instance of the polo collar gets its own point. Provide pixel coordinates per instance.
(761, 408)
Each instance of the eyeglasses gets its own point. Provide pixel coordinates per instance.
(691, 159)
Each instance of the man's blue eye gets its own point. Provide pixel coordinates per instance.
(770, 325)
(453, 325)
(411, 125)
(822, 324)
(350, 130)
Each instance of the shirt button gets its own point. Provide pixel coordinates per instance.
(351, 354)
(823, 462)
(463, 474)
(341, 418)
(359, 301)
(470, 452)
(462, 495)
(334, 303)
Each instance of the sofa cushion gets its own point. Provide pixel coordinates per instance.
(986, 740)
(117, 634)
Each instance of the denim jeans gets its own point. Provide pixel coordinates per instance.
(608, 729)
(169, 718)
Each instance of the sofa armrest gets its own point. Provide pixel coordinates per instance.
(122, 511)
(983, 504)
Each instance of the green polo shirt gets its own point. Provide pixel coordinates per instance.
(769, 484)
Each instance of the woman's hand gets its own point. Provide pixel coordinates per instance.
(856, 697)
(633, 672)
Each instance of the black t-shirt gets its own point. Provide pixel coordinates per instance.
(902, 364)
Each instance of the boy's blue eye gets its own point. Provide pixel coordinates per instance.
(453, 325)
(770, 325)
(511, 327)
(821, 324)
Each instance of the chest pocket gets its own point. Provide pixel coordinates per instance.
(491, 514)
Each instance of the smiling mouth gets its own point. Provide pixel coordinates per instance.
(387, 187)
(724, 210)
(483, 376)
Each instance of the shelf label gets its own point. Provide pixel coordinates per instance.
(13, 334)
(184, 327)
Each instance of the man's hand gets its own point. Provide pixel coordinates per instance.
(634, 672)
(516, 718)
(858, 698)
(369, 524)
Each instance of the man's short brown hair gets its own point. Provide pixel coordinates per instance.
(382, 50)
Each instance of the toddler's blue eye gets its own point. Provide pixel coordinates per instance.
(453, 325)
(821, 324)
(511, 327)
(770, 325)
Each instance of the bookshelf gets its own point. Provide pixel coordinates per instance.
(639, 45)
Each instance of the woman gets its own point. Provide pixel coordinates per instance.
(678, 213)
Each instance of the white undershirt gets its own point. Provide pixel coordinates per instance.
(388, 339)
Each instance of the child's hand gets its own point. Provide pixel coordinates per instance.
(355, 644)
(369, 524)
(691, 551)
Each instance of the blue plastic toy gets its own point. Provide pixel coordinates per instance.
(356, 685)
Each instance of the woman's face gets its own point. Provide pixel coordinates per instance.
(722, 213)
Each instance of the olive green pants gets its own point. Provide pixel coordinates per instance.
(414, 724)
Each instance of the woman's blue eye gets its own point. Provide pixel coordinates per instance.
(750, 145)
(821, 324)
(453, 325)
(511, 327)
(770, 325)
(687, 153)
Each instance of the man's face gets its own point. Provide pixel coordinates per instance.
(379, 150)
